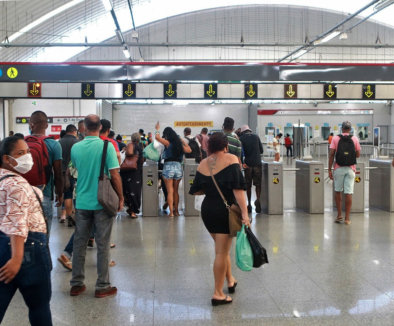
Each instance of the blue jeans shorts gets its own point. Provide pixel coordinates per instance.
(344, 180)
(172, 170)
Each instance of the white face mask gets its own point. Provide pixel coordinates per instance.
(24, 163)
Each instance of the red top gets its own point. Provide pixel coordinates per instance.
(288, 141)
(113, 142)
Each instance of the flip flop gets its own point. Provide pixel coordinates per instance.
(231, 289)
(339, 220)
(348, 222)
(218, 302)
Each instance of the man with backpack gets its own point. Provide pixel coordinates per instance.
(345, 149)
(47, 169)
(193, 144)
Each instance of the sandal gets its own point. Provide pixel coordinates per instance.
(339, 219)
(348, 222)
(217, 302)
(231, 289)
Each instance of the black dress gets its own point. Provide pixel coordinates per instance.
(213, 211)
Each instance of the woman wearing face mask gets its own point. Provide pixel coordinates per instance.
(25, 263)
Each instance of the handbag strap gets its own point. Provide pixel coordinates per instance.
(103, 157)
(217, 187)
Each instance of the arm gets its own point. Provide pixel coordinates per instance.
(165, 142)
(241, 200)
(357, 154)
(57, 169)
(116, 182)
(330, 162)
(12, 266)
(186, 147)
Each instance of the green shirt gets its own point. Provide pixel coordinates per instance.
(86, 158)
(55, 154)
(234, 145)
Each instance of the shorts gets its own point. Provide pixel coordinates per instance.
(172, 170)
(344, 180)
(253, 174)
(68, 193)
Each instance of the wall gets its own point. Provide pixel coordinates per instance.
(53, 108)
(129, 118)
(2, 120)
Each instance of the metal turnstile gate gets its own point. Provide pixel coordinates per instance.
(189, 174)
(271, 197)
(310, 186)
(381, 185)
(150, 191)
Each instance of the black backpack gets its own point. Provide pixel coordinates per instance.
(196, 152)
(346, 152)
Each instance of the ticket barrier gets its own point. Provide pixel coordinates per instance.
(189, 173)
(310, 186)
(381, 185)
(358, 198)
(150, 191)
(271, 198)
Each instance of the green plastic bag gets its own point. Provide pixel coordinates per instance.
(151, 153)
(243, 251)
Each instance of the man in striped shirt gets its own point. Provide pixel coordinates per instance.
(234, 144)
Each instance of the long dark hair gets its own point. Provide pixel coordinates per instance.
(170, 135)
(7, 146)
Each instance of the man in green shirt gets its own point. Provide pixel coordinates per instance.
(86, 158)
(234, 144)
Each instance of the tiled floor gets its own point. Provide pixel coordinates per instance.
(320, 273)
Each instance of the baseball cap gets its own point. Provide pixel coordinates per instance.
(244, 128)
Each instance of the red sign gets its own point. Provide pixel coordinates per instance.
(56, 128)
(34, 90)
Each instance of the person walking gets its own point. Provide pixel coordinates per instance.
(172, 173)
(252, 149)
(25, 262)
(104, 132)
(276, 146)
(234, 145)
(203, 139)
(227, 173)
(288, 145)
(132, 179)
(86, 158)
(345, 149)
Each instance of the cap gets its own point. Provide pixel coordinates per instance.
(245, 128)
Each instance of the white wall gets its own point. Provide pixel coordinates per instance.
(52, 107)
(129, 118)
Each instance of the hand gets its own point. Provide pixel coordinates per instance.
(157, 126)
(121, 204)
(330, 174)
(245, 166)
(9, 270)
(59, 200)
(246, 220)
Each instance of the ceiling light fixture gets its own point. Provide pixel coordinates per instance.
(383, 4)
(300, 53)
(126, 53)
(327, 38)
(107, 5)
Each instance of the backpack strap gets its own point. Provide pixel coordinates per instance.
(103, 157)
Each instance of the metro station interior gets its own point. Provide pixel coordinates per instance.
(300, 68)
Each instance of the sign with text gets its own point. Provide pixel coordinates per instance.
(56, 128)
(193, 124)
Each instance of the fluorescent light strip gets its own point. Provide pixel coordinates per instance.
(42, 19)
(327, 38)
(107, 5)
(300, 53)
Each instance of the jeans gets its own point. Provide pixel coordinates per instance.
(47, 204)
(85, 220)
(33, 279)
(70, 246)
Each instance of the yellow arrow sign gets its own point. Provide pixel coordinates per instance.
(170, 91)
(368, 93)
(290, 92)
(34, 91)
(210, 91)
(330, 92)
(88, 91)
(251, 91)
(129, 90)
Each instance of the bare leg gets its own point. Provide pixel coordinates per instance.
(348, 206)
(68, 205)
(170, 195)
(338, 202)
(176, 196)
(229, 276)
(220, 265)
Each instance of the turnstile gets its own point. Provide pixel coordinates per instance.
(189, 173)
(358, 198)
(271, 197)
(150, 191)
(310, 186)
(381, 185)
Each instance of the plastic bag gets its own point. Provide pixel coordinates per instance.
(151, 153)
(259, 253)
(243, 252)
(158, 146)
(198, 202)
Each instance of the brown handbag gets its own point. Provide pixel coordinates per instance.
(234, 211)
(130, 162)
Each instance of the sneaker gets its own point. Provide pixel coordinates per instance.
(257, 206)
(77, 290)
(112, 245)
(70, 222)
(90, 243)
(102, 293)
(66, 262)
(249, 208)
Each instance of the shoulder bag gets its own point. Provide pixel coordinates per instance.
(234, 211)
(130, 163)
(107, 197)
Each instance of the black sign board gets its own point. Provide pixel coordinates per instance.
(211, 91)
(330, 91)
(169, 90)
(25, 120)
(87, 90)
(129, 90)
(368, 92)
(290, 91)
(34, 90)
(250, 90)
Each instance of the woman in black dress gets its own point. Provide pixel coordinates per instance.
(132, 179)
(227, 172)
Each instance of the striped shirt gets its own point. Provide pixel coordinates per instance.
(234, 145)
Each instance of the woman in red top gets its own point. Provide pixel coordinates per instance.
(288, 145)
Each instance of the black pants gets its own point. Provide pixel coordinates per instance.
(289, 149)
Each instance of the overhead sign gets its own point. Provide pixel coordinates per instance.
(250, 91)
(25, 120)
(169, 90)
(211, 91)
(193, 124)
(290, 91)
(129, 90)
(12, 72)
(330, 91)
(368, 92)
(56, 128)
(87, 90)
(34, 90)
